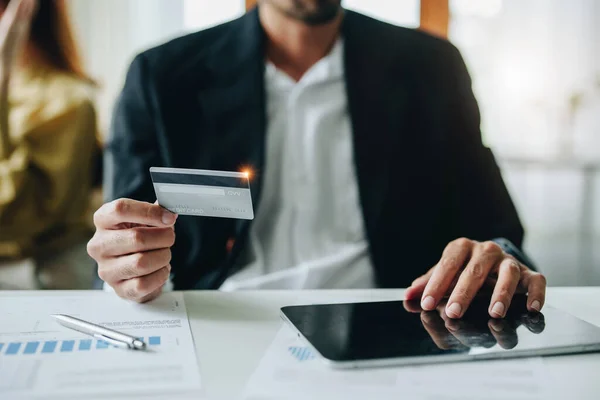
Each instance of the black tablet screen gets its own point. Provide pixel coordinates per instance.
(379, 330)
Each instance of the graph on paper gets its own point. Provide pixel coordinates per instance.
(301, 353)
(62, 346)
(39, 358)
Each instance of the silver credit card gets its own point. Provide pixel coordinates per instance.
(203, 193)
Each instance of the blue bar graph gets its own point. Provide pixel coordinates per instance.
(154, 340)
(60, 346)
(301, 353)
(85, 344)
(13, 348)
(67, 346)
(31, 347)
(49, 346)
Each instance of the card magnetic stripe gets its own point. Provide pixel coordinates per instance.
(202, 180)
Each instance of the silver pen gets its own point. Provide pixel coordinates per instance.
(115, 338)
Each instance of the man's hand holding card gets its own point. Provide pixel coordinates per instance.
(133, 239)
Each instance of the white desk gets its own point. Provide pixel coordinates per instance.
(244, 323)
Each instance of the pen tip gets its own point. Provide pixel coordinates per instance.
(139, 345)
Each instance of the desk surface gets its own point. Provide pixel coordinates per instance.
(248, 321)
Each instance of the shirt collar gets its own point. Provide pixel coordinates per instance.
(328, 68)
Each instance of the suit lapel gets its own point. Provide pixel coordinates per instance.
(233, 106)
(378, 104)
(236, 116)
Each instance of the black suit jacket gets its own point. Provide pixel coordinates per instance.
(424, 176)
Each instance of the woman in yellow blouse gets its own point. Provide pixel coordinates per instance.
(47, 144)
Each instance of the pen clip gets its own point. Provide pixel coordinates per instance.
(111, 341)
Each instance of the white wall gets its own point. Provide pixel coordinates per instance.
(111, 32)
(536, 73)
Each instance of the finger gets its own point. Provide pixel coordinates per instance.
(139, 288)
(536, 289)
(417, 286)
(412, 306)
(453, 259)
(472, 278)
(112, 214)
(112, 243)
(505, 336)
(434, 326)
(509, 275)
(134, 265)
(441, 307)
(151, 296)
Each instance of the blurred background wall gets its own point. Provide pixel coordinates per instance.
(536, 72)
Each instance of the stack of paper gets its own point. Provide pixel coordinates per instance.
(40, 358)
(290, 370)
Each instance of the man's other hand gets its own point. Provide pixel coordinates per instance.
(468, 267)
(132, 246)
(458, 334)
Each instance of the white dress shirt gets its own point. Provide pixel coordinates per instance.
(308, 232)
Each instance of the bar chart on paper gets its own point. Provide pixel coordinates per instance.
(301, 353)
(40, 358)
(63, 346)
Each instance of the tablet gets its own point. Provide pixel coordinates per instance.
(400, 333)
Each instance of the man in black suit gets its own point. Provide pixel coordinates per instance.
(393, 108)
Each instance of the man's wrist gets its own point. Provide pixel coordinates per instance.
(509, 248)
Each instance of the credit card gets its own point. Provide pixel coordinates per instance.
(203, 193)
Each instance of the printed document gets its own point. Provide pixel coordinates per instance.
(290, 370)
(41, 359)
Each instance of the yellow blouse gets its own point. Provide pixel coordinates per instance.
(46, 180)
